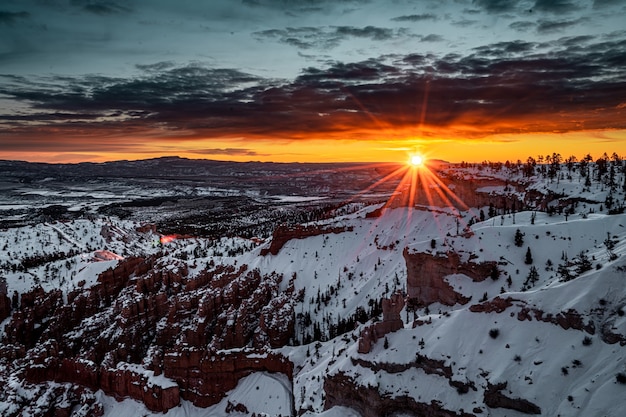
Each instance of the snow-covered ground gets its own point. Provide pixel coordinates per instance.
(341, 273)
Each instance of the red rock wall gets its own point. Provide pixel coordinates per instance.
(205, 377)
(342, 390)
(392, 322)
(283, 234)
(426, 273)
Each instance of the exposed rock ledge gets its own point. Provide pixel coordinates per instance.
(342, 390)
(283, 234)
(426, 274)
(495, 399)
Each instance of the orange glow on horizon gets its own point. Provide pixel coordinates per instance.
(395, 148)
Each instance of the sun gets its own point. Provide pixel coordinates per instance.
(416, 160)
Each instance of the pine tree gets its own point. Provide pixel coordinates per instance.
(519, 238)
(529, 257)
(533, 276)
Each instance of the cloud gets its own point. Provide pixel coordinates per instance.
(556, 6)
(432, 38)
(371, 32)
(101, 8)
(522, 26)
(415, 17)
(10, 18)
(501, 49)
(598, 4)
(326, 37)
(497, 6)
(505, 87)
(465, 23)
(548, 26)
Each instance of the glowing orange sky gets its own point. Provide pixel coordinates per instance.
(495, 148)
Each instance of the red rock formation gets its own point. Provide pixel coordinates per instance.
(426, 364)
(425, 278)
(137, 309)
(569, 319)
(494, 398)
(147, 228)
(5, 301)
(342, 390)
(282, 234)
(277, 322)
(27, 323)
(497, 305)
(123, 382)
(204, 377)
(391, 322)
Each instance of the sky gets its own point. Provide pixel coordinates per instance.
(311, 80)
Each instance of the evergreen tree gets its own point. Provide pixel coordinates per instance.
(519, 238)
(582, 262)
(533, 276)
(529, 257)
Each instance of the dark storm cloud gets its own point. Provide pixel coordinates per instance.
(100, 7)
(547, 26)
(502, 49)
(415, 17)
(556, 6)
(10, 18)
(371, 32)
(497, 6)
(598, 4)
(328, 37)
(505, 87)
(352, 73)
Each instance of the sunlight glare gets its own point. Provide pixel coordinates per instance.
(416, 160)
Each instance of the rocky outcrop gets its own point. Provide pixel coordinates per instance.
(5, 301)
(283, 234)
(127, 334)
(391, 322)
(497, 305)
(54, 401)
(124, 381)
(494, 398)
(426, 274)
(29, 321)
(569, 319)
(276, 322)
(426, 364)
(341, 390)
(204, 376)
